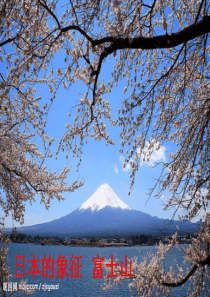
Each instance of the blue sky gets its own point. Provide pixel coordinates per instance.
(100, 163)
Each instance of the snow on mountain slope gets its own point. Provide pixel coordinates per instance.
(104, 196)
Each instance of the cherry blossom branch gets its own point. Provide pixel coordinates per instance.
(162, 41)
(189, 274)
(156, 42)
(20, 174)
(50, 12)
(199, 11)
(9, 40)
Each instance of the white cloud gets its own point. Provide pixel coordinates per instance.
(127, 166)
(158, 155)
(115, 168)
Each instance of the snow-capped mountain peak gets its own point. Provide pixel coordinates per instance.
(104, 196)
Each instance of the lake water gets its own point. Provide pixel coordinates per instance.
(78, 286)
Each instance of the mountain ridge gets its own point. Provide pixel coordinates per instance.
(104, 214)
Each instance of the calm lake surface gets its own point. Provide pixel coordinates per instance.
(79, 286)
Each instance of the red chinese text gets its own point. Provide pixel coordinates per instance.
(20, 265)
(75, 267)
(34, 269)
(47, 267)
(98, 271)
(62, 265)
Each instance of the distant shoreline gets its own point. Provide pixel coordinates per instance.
(93, 241)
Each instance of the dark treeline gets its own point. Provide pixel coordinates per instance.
(118, 240)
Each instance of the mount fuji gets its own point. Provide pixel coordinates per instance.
(104, 214)
(103, 197)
